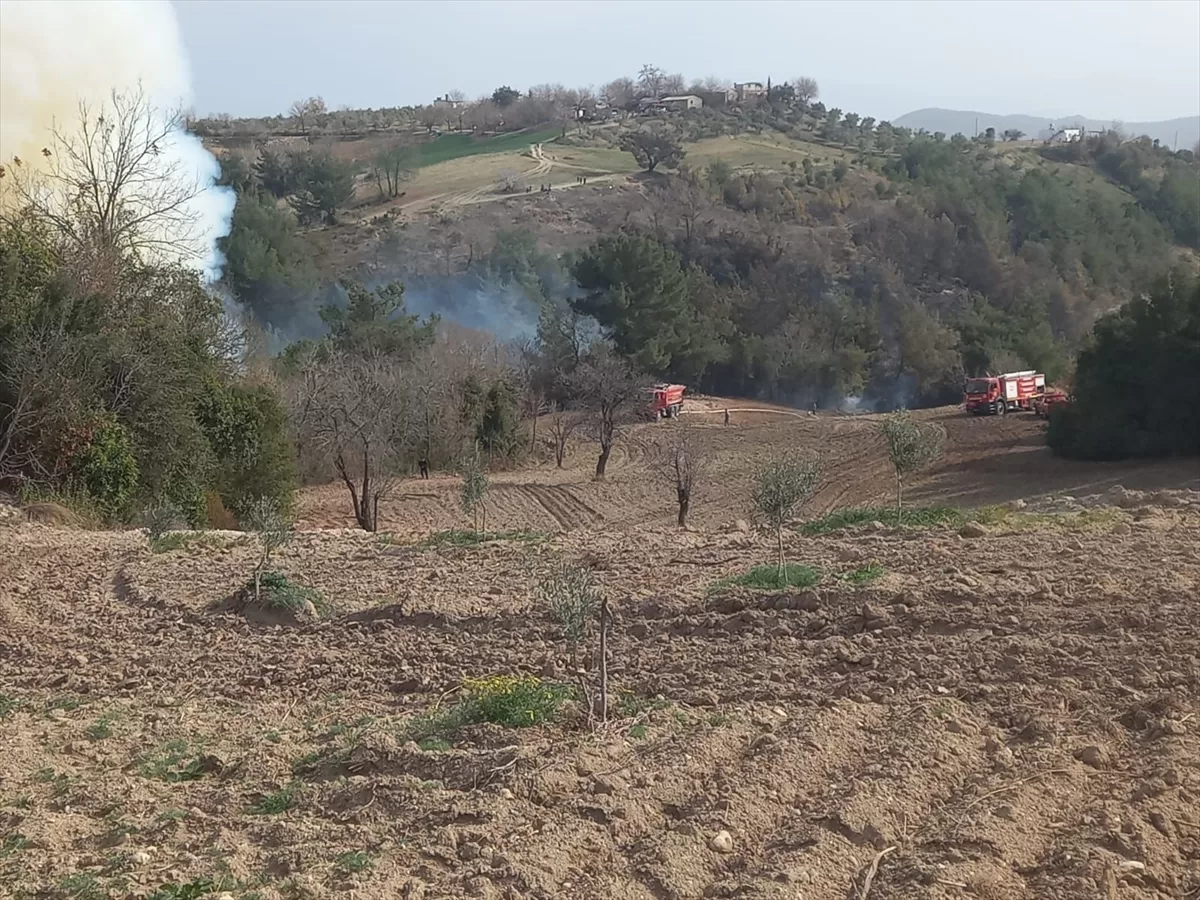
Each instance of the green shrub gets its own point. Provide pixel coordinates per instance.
(246, 427)
(107, 469)
(279, 592)
(1137, 392)
(186, 495)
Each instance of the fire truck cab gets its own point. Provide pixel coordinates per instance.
(998, 394)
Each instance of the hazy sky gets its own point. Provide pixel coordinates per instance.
(1133, 60)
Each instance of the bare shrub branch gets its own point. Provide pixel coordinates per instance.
(110, 183)
(359, 413)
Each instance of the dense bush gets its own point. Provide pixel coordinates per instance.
(1137, 383)
(246, 427)
(106, 469)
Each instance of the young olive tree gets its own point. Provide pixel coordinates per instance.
(911, 446)
(681, 464)
(781, 488)
(568, 592)
(270, 524)
(474, 491)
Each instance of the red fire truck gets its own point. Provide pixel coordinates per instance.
(666, 401)
(1049, 401)
(997, 394)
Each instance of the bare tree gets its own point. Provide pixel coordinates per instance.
(358, 412)
(911, 446)
(619, 93)
(307, 110)
(806, 89)
(390, 169)
(563, 423)
(681, 464)
(673, 84)
(109, 183)
(609, 387)
(650, 81)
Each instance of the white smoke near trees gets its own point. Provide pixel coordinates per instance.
(61, 57)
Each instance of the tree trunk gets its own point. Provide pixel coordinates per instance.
(779, 539)
(685, 503)
(602, 462)
(899, 496)
(560, 452)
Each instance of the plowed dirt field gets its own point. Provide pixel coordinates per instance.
(1008, 713)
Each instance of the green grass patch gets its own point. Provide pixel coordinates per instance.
(638, 732)
(1068, 521)
(629, 704)
(171, 540)
(82, 886)
(914, 517)
(13, 843)
(951, 517)
(280, 592)
(279, 801)
(518, 701)
(352, 863)
(769, 578)
(174, 762)
(8, 705)
(172, 815)
(864, 574)
(465, 537)
(101, 729)
(192, 890)
(434, 745)
(66, 703)
(456, 146)
(61, 782)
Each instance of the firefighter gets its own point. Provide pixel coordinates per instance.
(727, 417)
(423, 465)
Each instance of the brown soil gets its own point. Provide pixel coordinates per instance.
(1010, 716)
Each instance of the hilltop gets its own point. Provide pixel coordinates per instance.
(1182, 133)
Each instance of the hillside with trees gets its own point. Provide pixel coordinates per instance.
(777, 249)
(852, 260)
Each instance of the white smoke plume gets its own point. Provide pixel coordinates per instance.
(55, 54)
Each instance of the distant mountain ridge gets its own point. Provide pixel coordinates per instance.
(952, 121)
